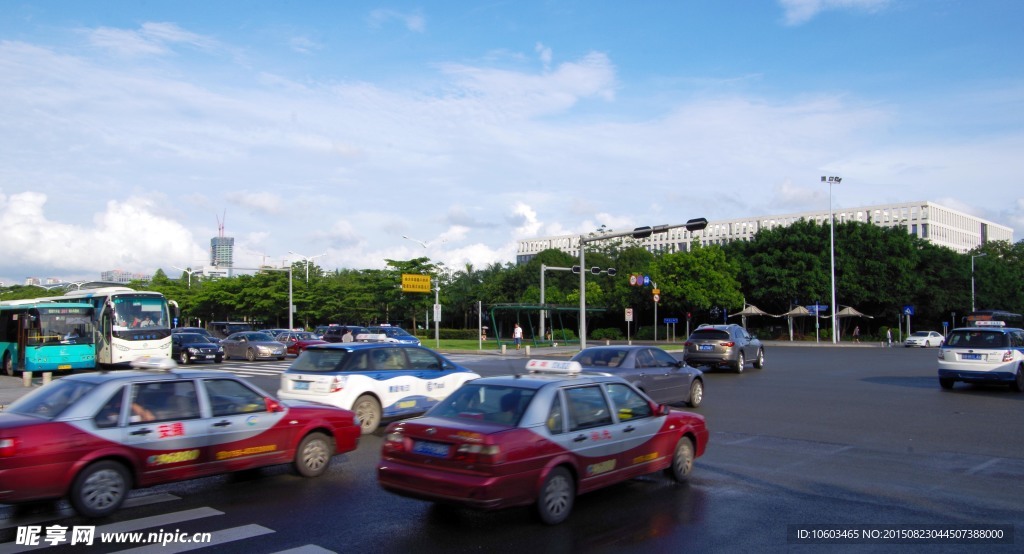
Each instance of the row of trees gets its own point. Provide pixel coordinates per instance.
(879, 271)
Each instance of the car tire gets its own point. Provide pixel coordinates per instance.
(682, 460)
(696, 393)
(759, 360)
(314, 455)
(183, 358)
(100, 489)
(737, 366)
(218, 359)
(8, 365)
(1018, 381)
(250, 355)
(280, 359)
(946, 383)
(557, 494)
(368, 413)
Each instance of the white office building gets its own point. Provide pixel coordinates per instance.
(930, 221)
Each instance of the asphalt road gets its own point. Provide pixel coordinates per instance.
(849, 438)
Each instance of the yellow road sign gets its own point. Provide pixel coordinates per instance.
(412, 282)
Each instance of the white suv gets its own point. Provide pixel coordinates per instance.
(983, 355)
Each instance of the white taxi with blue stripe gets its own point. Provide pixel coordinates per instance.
(988, 353)
(375, 380)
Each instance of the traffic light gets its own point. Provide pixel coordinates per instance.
(611, 272)
(595, 270)
(576, 269)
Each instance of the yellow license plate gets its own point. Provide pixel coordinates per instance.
(64, 366)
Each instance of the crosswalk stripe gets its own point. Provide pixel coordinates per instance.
(133, 502)
(222, 536)
(306, 549)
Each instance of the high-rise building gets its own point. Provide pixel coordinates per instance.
(222, 250)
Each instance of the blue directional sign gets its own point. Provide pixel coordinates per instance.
(816, 309)
(908, 310)
(671, 320)
(647, 280)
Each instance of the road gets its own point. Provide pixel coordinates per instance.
(848, 437)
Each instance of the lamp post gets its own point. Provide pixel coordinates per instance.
(188, 270)
(982, 255)
(307, 259)
(437, 297)
(832, 249)
(637, 233)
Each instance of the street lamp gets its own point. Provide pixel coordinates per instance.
(307, 259)
(832, 249)
(637, 233)
(982, 255)
(188, 270)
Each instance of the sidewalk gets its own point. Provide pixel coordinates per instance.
(13, 388)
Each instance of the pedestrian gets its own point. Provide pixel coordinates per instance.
(347, 337)
(888, 337)
(856, 334)
(517, 335)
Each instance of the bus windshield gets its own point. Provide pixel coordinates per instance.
(139, 312)
(51, 325)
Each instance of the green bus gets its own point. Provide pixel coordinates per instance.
(40, 336)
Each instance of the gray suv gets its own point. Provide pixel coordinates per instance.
(723, 346)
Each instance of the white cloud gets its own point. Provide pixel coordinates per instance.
(413, 21)
(797, 12)
(151, 39)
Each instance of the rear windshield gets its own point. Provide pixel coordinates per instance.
(969, 338)
(314, 360)
(709, 334)
(491, 403)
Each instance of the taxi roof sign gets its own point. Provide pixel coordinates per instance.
(162, 363)
(554, 367)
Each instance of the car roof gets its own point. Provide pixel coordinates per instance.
(148, 375)
(537, 381)
(361, 345)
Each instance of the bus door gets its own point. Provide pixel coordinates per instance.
(104, 334)
(25, 331)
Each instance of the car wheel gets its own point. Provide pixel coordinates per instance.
(696, 393)
(280, 359)
(1018, 382)
(682, 460)
(8, 365)
(218, 359)
(740, 362)
(250, 355)
(314, 455)
(556, 497)
(183, 358)
(946, 383)
(99, 489)
(759, 360)
(367, 410)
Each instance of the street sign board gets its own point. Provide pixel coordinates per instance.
(413, 282)
(657, 297)
(629, 314)
(908, 310)
(671, 320)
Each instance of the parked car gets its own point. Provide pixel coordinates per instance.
(651, 370)
(189, 347)
(199, 330)
(274, 332)
(92, 437)
(297, 341)
(984, 355)
(925, 339)
(321, 329)
(393, 334)
(336, 333)
(539, 439)
(375, 380)
(221, 329)
(723, 346)
(252, 345)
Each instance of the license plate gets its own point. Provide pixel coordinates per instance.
(970, 356)
(64, 366)
(707, 347)
(428, 448)
(300, 385)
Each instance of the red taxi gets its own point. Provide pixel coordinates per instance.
(91, 437)
(539, 438)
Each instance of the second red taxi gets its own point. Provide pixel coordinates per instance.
(539, 438)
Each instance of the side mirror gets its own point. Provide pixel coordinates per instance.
(664, 410)
(273, 405)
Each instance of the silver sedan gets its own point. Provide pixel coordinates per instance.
(252, 345)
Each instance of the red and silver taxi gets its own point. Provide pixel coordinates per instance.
(540, 438)
(91, 437)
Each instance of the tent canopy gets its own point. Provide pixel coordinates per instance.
(750, 309)
(798, 311)
(849, 311)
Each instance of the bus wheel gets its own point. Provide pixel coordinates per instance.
(8, 364)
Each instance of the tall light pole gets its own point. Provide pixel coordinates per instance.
(832, 249)
(982, 255)
(307, 260)
(188, 270)
(437, 297)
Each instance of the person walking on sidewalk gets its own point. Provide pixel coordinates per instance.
(856, 334)
(517, 336)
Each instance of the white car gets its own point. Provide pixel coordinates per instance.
(992, 355)
(925, 339)
(376, 380)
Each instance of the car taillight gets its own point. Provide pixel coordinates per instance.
(942, 354)
(337, 384)
(394, 442)
(1008, 356)
(729, 344)
(688, 343)
(479, 453)
(8, 447)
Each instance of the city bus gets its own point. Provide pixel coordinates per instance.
(993, 317)
(128, 323)
(47, 336)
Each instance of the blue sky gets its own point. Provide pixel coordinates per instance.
(128, 130)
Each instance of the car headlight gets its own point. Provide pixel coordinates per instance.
(193, 350)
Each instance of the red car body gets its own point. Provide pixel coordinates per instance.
(296, 342)
(48, 456)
